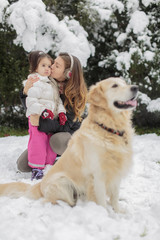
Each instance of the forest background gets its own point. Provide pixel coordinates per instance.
(110, 37)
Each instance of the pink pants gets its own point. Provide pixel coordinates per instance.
(39, 150)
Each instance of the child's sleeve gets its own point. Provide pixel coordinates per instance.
(61, 107)
(33, 106)
(32, 103)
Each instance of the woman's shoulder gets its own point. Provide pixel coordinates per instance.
(53, 81)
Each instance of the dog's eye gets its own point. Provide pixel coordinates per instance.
(115, 85)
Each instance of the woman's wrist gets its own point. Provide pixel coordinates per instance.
(24, 91)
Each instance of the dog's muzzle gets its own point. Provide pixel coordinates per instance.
(131, 103)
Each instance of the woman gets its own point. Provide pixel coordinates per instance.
(67, 71)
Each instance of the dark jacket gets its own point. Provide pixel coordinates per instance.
(53, 126)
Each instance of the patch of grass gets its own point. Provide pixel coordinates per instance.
(144, 233)
(8, 131)
(117, 238)
(147, 130)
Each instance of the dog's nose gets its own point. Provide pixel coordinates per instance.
(134, 88)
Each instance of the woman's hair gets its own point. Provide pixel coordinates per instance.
(34, 59)
(75, 88)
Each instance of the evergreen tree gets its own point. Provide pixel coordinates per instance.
(14, 69)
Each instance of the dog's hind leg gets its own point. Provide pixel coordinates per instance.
(60, 187)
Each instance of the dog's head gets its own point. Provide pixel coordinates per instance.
(113, 93)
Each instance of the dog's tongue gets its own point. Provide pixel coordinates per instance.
(132, 103)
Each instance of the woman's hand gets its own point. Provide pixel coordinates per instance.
(29, 84)
(34, 119)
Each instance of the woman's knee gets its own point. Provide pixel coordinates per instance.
(59, 142)
(22, 162)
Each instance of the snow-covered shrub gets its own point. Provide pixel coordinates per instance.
(147, 112)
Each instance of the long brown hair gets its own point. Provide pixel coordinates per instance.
(34, 59)
(75, 89)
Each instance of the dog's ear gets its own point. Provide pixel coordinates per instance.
(96, 95)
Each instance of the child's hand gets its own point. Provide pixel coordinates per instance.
(62, 118)
(47, 114)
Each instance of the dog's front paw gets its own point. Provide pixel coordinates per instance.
(116, 209)
(120, 209)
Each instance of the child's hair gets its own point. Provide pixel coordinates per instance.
(35, 57)
(75, 88)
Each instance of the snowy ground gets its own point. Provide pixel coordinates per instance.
(23, 219)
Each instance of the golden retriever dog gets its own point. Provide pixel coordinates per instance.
(98, 155)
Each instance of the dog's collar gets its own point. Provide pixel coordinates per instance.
(119, 133)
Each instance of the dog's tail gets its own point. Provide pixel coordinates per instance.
(18, 189)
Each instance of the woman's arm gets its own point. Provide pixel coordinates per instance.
(23, 98)
(53, 126)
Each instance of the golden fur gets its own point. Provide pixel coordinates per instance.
(96, 159)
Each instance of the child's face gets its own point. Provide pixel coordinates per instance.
(44, 67)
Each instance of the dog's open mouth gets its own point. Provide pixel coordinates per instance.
(132, 103)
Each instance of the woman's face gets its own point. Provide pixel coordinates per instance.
(57, 69)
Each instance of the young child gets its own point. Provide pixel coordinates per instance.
(43, 99)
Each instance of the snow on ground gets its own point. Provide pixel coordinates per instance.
(23, 219)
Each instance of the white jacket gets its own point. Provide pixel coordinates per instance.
(44, 95)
